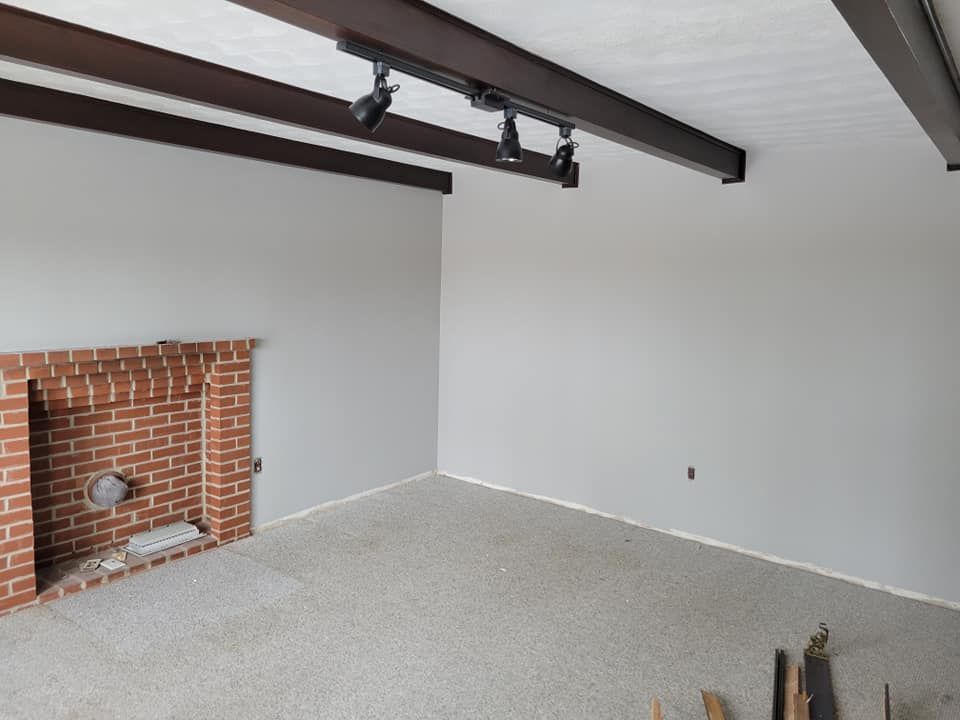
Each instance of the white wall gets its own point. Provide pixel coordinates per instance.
(796, 338)
(110, 241)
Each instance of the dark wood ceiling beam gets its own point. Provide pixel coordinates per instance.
(52, 43)
(420, 33)
(900, 39)
(79, 111)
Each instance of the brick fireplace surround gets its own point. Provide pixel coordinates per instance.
(173, 418)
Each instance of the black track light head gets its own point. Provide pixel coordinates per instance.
(509, 148)
(562, 161)
(370, 109)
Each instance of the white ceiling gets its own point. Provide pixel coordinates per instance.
(753, 72)
(948, 11)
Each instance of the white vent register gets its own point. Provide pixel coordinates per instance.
(162, 538)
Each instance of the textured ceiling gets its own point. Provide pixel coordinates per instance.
(949, 13)
(753, 72)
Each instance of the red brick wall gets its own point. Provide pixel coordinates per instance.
(143, 410)
(17, 580)
(228, 448)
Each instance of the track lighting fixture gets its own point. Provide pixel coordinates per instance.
(562, 161)
(509, 149)
(370, 109)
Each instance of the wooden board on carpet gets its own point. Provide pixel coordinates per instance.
(655, 712)
(712, 704)
(791, 688)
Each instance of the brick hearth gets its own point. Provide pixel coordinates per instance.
(173, 418)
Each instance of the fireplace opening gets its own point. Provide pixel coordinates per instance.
(155, 443)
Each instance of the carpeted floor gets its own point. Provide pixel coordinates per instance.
(440, 599)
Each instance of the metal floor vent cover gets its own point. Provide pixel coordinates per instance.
(161, 538)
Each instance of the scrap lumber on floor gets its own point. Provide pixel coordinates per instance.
(778, 681)
(817, 681)
(791, 689)
(712, 705)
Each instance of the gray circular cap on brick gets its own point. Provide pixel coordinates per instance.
(108, 490)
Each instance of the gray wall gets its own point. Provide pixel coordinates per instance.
(795, 338)
(106, 240)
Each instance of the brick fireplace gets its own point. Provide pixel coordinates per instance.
(172, 418)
